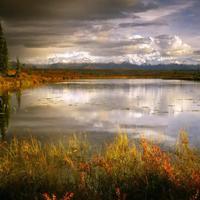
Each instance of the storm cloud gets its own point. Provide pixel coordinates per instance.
(70, 9)
(137, 31)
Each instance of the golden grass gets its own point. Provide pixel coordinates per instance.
(122, 170)
(35, 77)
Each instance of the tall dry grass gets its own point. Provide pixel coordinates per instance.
(121, 171)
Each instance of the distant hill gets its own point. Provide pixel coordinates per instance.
(125, 66)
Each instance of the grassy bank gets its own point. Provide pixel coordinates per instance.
(122, 170)
(35, 77)
(28, 79)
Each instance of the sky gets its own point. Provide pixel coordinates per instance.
(102, 31)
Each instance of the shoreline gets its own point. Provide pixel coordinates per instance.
(30, 78)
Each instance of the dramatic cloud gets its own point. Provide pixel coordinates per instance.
(136, 31)
(69, 9)
(136, 50)
(173, 46)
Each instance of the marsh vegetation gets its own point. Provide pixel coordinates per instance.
(122, 169)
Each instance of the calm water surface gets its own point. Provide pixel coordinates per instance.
(158, 109)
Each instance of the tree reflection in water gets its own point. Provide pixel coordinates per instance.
(4, 113)
(18, 98)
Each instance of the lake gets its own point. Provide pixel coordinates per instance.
(156, 109)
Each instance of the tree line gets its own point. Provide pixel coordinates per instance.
(4, 58)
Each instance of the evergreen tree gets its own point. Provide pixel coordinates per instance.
(3, 52)
(18, 68)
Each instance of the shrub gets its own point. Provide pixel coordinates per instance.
(122, 170)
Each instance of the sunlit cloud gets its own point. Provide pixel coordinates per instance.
(134, 31)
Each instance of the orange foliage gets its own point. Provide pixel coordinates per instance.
(156, 159)
(67, 196)
(102, 162)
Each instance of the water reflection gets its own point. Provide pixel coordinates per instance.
(156, 108)
(18, 98)
(4, 113)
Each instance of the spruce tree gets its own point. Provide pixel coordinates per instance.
(3, 52)
(18, 68)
